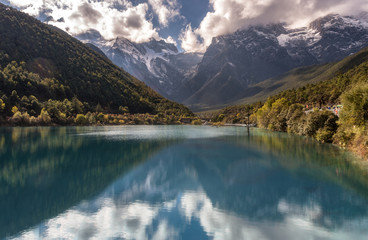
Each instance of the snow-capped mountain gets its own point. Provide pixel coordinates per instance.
(329, 38)
(235, 62)
(157, 63)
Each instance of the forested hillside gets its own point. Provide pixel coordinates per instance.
(309, 110)
(45, 71)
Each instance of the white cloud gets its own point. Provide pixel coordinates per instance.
(109, 221)
(112, 18)
(166, 10)
(190, 40)
(170, 39)
(299, 221)
(228, 16)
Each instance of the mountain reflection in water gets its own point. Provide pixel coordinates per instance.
(178, 182)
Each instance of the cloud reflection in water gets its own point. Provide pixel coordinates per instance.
(213, 189)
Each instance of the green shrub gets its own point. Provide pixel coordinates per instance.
(20, 118)
(2, 105)
(81, 120)
(325, 135)
(320, 119)
(101, 117)
(355, 106)
(44, 117)
(197, 122)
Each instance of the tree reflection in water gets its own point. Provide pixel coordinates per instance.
(222, 185)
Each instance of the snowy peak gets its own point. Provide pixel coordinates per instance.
(144, 52)
(332, 24)
(161, 46)
(233, 63)
(125, 46)
(301, 37)
(241, 36)
(335, 21)
(319, 24)
(236, 62)
(157, 63)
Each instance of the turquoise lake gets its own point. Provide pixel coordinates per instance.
(177, 182)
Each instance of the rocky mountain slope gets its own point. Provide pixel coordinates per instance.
(234, 63)
(157, 63)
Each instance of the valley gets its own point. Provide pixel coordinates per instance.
(243, 67)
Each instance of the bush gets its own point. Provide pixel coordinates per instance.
(296, 119)
(14, 109)
(20, 118)
(2, 105)
(81, 120)
(325, 135)
(273, 115)
(101, 117)
(320, 119)
(197, 122)
(44, 117)
(355, 102)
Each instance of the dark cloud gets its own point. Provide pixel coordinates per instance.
(134, 21)
(87, 232)
(88, 14)
(45, 15)
(119, 28)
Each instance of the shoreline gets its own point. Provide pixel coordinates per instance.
(362, 160)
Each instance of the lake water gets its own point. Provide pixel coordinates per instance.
(177, 182)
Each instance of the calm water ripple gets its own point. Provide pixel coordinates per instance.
(177, 182)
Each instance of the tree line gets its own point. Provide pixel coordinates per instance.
(305, 110)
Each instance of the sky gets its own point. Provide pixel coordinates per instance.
(190, 24)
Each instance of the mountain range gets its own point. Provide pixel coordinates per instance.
(234, 64)
(157, 63)
(246, 66)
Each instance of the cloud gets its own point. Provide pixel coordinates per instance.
(122, 18)
(30, 7)
(88, 14)
(227, 16)
(133, 25)
(171, 40)
(134, 21)
(112, 18)
(166, 10)
(190, 40)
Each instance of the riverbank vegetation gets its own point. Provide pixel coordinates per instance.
(51, 108)
(309, 110)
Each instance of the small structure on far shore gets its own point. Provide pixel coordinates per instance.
(186, 120)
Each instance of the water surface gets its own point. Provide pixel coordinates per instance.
(177, 182)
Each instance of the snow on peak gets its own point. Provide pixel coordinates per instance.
(300, 36)
(313, 33)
